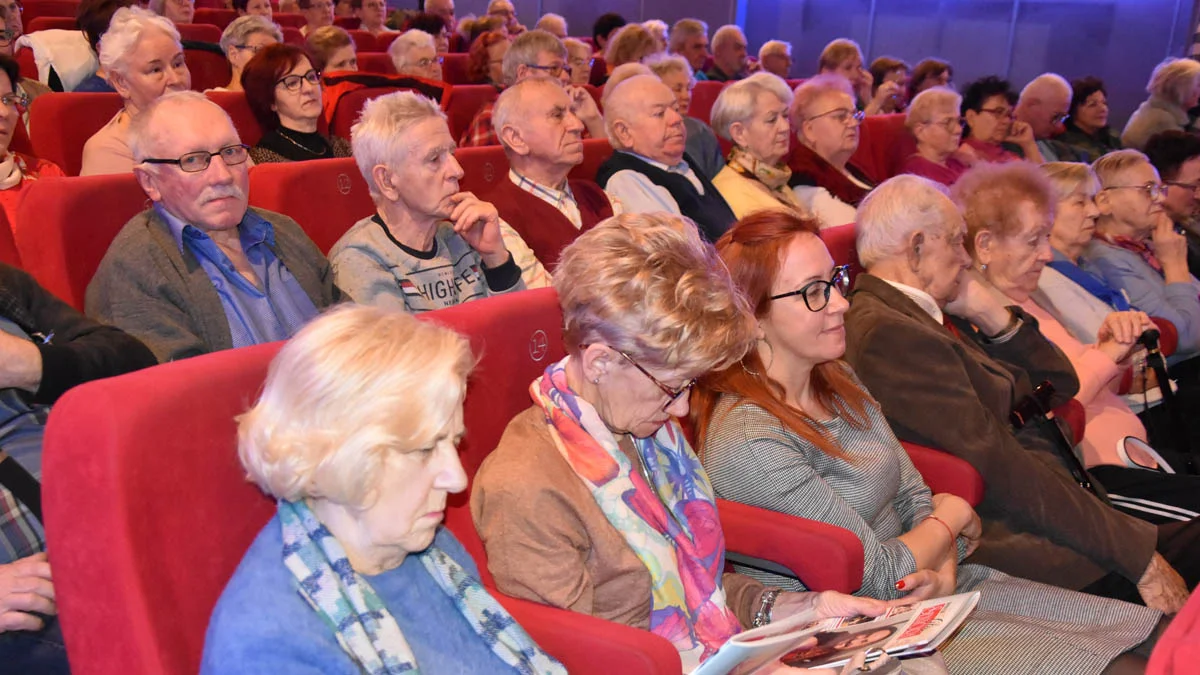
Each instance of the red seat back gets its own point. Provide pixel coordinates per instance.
(841, 243)
(599, 71)
(1178, 650)
(347, 22)
(32, 9)
(325, 196)
(455, 68)
(376, 62)
(51, 23)
(208, 69)
(704, 96)
(350, 105)
(235, 105)
(291, 34)
(290, 20)
(464, 101)
(943, 472)
(482, 168)
(65, 226)
(883, 145)
(385, 40)
(219, 17)
(200, 32)
(27, 64)
(363, 40)
(61, 123)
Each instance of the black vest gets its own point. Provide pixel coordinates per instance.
(709, 211)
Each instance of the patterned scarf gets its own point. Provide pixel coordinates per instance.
(774, 178)
(365, 628)
(672, 525)
(1134, 246)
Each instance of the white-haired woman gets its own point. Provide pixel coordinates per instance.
(242, 39)
(658, 30)
(1174, 89)
(579, 58)
(825, 121)
(753, 115)
(594, 501)
(143, 59)
(413, 53)
(354, 435)
(429, 245)
(933, 119)
(702, 144)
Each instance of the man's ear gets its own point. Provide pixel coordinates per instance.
(620, 131)
(146, 178)
(1104, 203)
(385, 182)
(510, 137)
(915, 242)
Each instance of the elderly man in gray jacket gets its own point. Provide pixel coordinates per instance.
(200, 271)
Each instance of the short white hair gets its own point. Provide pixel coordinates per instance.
(725, 34)
(141, 136)
(774, 47)
(1173, 80)
(813, 90)
(658, 28)
(381, 134)
(355, 385)
(580, 46)
(407, 41)
(620, 74)
(510, 104)
(684, 30)
(126, 29)
(616, 105)
(738, 101)
(1042, 85)
(1113, 165)
(664, 64)
(930, 102)
(900, 207)
(240, 30)
(551, 19)
(525, 49)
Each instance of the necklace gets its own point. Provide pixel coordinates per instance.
(283, 134)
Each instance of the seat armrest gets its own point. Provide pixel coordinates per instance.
(944, 472)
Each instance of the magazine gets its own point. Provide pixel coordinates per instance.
(800, 641)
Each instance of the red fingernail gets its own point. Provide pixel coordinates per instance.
(900, 585)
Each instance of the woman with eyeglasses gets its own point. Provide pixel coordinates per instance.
(414, 53)
(8, 36)
(791, 428)
(17, 170)
(485, 60)
(933, 119)
(825, 121)
(992, 131)
(242, 39)
(1087, 122)
(284, 92)
(579, 58)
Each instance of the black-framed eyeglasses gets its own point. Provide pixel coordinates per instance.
(293, 82)
(554, 70)
(842, 115)
(1192, 187)
(673, 395)
(1152, 190)
(816, 293)
(195, 162)
(1009, 113)
(253, 49)
(17, 99)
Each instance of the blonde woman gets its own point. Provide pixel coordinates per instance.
(934, 120)
(630, 44)
(1174, 89)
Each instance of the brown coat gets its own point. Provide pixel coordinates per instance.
(955, 395)
(547, 540)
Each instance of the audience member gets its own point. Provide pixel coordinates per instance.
(372, 16)
(143, 59)
(284, 93)
(256, 7)
(888, 69)
(17, 170)
(332, 49)
(929, 73)
(356, 475)
(604, 27)
(413, 53)
(689, 39)
(175, 11)
(471, 28)
(32, 88)
(317, 13)
(49, 348)
(343, 9)
(971, 359)
(934, 120)
(1176, 156)
(200, 271)
(843, 57)
(729, 55)
(486, 59)
(753, 115)
(93, 18)
(993, 134)
(630, 44)
(658, 30)
(445, 9)
(579, 58)
(17, 29)
(648, 307)
(650, 170)
(702, 144)
(553, 24)
(776, 58)
(543, 141)
(429, 244)
(1087, 120)
(827, 125)
(1174, 89)
(506, 12)
(432, 24)
(242, 39)
(1044, 105)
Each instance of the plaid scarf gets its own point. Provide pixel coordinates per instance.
(1134, 246)
(365, 628)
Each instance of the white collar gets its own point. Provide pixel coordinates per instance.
(924, 300)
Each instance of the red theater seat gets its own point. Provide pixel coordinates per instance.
(599, 71)
(595, 152)
(1178, 650)
(363, 40)
(51, 23)
(234, 103)
(347, 22)
(200, 32)
(291, 35)
(462, 104)
(219, 17)
(944, 472)
(326, 196)
(840, 241)
(704, 95)
(455, 68)
(208, 69)
(376, 62)
(27, 64)
(290, 20)
(32, 9)
(482, 168)
(350, 105)
(61, 123)
(883, 145)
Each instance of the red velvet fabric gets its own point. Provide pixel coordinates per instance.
(883, 145)
(840, 241)
(376, 62)
(325, 196)
(208, 69)
(292, 34)
(464, 101)
(32, 9)
(51, 23)
(235, 105)
(454, 68)
(219, 17)
(61, 123)
(704, 96)
(200, 32)
(289, 20)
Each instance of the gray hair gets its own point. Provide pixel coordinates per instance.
(382, 131)
(525, 50)
(664, 64)
(407, 41)
(725, 34)
(616, 107)
(548, 19)
(925, 104)
(1071, 178)
(509, 106)
(1112, 165)
(126, 29)
(812, 90)
(738, 101)
(243, 27)
(774, 47)
(658, 28)
(684, 30)
(140, 136)
(1173, 80)
(900, 207)
(1039, 86)
(620, 74)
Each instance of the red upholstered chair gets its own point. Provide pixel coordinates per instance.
(32, 9)
(944, 472)
(363, 40)
(462, 104)
(20, 141)
(51, 23)
(595, 152)
(200, 32)
(840, 241)
(376, 62)
(385, 40)
(209, 4)
(291, 34)
(208, 69)
(234, 103)
(883, 145)
(326, 196)
(27, 64)
(348, 107)
(61, 123)
(1168, 335)
(68, 226)
(8, 246)
(290, 20)
(454, 68)
(704, 95)
(219, 17)
(597, 93)
(599, 70)
(1178, 650)
(482, 168)
(350, 23)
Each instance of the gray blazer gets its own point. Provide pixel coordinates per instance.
(149, 288)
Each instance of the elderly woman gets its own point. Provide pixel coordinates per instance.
(361, 482)
(630, 44)
(929, 73)
(826, 123)
(317, 13)
(413, 53)
(844, 57)
(993, 133)
(933, 119)
(1087, 122)
(1174, 89)
(791, 429)
(143, 59)
(244, 38)
(888, 69)
(284, 92)
(17, 171)
(702, 144)
(632, 533)
(970, 360)
(333, 50)
(659, 30)
(753, 115)
(175, 11)
(485, 60)
(579, 59)
(254, 7)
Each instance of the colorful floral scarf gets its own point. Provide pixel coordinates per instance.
(364, 627)
(672, 525)
(1134, 246)
(774, 178)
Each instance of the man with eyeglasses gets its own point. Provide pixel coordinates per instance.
(1044, 106)
(200, 271)
(1176, 155)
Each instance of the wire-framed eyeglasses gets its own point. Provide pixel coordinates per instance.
(673, 395)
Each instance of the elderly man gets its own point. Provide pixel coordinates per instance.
(199, 271)
(689, 39)
(553, 24)
(1176, 156)
(413, 53)
(506, 12)
(650, 171)
(776, 58)
(543, 141)
(729, 55)
(535, 54)
(1044, 105)
(317, 13)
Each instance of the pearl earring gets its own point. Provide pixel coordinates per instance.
(595, 380)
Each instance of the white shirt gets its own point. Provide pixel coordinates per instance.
(924, 300)
(532, 272)
(638, 194)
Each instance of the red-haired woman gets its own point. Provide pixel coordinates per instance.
(791, 429)
(284, 91)
(485, 61)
